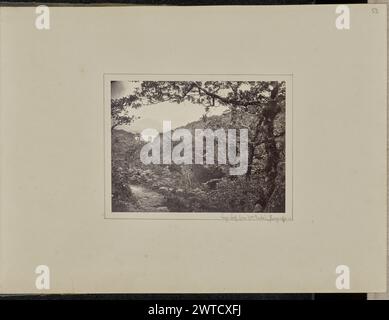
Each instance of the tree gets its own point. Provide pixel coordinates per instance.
(120, 109)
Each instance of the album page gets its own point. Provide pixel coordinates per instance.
(193, 149)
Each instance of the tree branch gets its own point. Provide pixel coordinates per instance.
(229, 101)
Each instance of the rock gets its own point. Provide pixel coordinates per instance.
(258, 208)
(162, 209)
(212, 184)
(197, 190)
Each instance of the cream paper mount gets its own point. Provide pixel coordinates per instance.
(69, 223)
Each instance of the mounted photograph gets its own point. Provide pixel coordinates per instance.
(198, 146)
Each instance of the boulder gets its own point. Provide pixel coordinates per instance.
(212, 184)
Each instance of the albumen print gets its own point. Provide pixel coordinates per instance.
(198, 146)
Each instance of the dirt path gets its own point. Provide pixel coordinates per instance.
(149, 200)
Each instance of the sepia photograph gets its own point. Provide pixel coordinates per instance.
(198, 146)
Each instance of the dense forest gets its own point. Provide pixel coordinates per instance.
(257, 106)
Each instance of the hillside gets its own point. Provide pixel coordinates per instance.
(194, 187)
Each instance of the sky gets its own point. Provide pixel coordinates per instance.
(152, 116)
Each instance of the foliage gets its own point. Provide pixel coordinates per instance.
(120, 111)
(122, 199)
